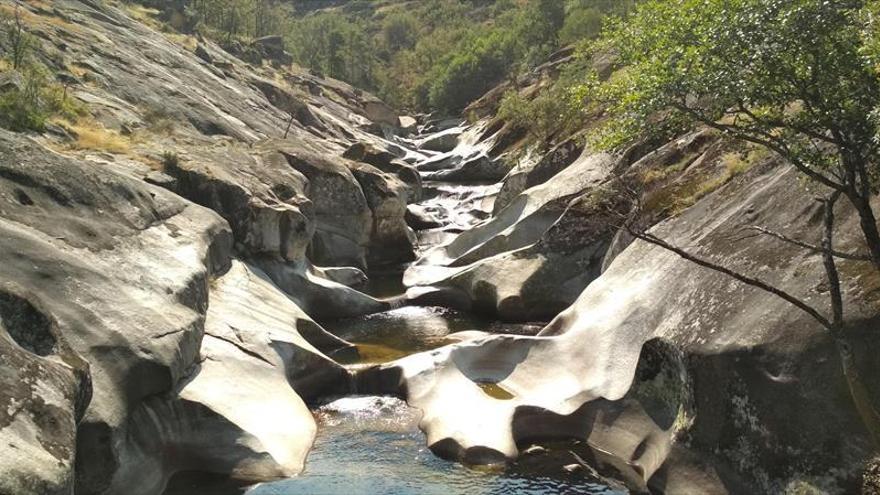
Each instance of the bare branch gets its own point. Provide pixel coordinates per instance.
(810, 247)
(768, 143)
(751, 281)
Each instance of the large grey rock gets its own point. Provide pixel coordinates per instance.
(750, 382)
(443, 141)
(536, 256)
(120, 269)
(343, 217)
(529, 173)
(241, 412)
(260, 195)
(391, 239)
(46, 388)
(388, 162)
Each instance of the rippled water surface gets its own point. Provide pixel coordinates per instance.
(371, 445)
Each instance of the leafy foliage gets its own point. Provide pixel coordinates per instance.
(29, 95)
(798, 77)
(228, 20)
(18, 40)
(554, 111)
(31, 98)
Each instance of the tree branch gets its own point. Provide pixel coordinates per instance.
(830, 267)
(777, 147)
(810, 247)
(751, 281)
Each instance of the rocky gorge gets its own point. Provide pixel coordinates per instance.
(191, 279)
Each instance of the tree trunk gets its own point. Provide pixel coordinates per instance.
(868, 223)
(859, 392)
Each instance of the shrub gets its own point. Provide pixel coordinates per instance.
(400, 31)
(19, 41)
(32, 99)
(548, 114)
(170, 159)
(581, 24)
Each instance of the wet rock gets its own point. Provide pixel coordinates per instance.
(321, 298)
(443, 141)
(419, 218)
(658, 349)
(535, 257)
(534, 450)
(386, 161)
(345, 275)
(478, 168)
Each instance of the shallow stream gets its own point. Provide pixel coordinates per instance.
(372, 445)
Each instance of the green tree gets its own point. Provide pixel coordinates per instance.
(798, 77)
(581, 24)
(337, 45)
(790, 75)
(19, 41)
(400, 31)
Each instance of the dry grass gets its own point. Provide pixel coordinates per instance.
(35, 20)
(186, 41)
(143, 14)
(77, 70)
(93, 136)
(150, 17)
(654, 175)
(677, 197)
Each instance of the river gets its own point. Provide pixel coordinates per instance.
(372, 445)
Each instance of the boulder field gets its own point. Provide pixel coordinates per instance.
(168, 260)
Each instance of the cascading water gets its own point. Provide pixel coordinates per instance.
(370, 444)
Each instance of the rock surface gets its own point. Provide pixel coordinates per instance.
(748, 378)
(123, 269)
(119, 370)
(159, 296)
(535, 257)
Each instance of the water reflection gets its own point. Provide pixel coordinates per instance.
(371, 445)
(394, 334)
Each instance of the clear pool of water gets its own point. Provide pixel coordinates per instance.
(372, 445)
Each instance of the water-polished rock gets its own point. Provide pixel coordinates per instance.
(111, 277)
(681, 379)
(534, 258)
